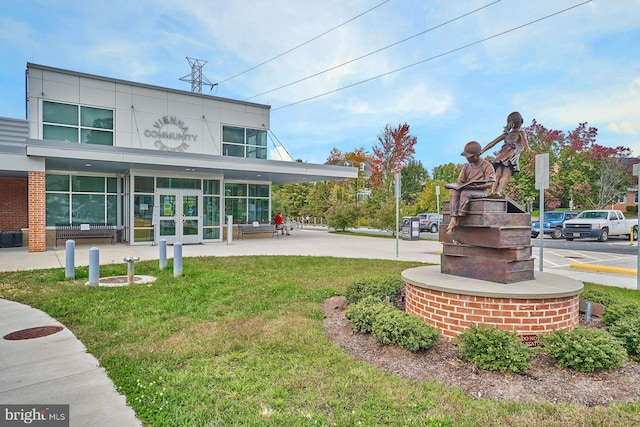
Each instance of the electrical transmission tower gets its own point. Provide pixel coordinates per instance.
(196, 78)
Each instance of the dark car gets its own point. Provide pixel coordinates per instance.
(430, 222)
(553, 222)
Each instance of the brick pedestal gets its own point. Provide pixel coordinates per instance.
(452, 303)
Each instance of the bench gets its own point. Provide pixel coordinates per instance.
(84, 231)
(256, 229)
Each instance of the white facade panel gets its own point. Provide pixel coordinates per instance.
(61, 92)
(20, 162)
(232, 117)
(98, 97)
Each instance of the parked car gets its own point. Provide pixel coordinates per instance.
(430, 222)
(600, 224)
(553, 222)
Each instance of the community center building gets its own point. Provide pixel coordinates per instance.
(150, 162)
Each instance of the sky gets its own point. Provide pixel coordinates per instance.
(336, 72)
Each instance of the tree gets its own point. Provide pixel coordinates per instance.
(615, 177)
(319, 199)
(395, 149)
(335, 156)
(341, 216)
(581, 170)
(291, 199)
(413, 177)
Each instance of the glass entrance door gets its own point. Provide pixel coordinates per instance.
(180, 217)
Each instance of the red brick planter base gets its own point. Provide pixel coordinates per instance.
(452, 303)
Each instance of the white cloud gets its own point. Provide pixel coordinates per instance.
(622, 127)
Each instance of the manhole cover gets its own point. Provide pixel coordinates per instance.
(37, 332)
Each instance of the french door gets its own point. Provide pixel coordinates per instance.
(180, 218)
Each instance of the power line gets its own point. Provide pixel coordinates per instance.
(303, 44)
(375, 51)
(434, 57)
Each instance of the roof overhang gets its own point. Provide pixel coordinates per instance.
(67, 156)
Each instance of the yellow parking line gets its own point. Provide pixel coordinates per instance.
(605, 268)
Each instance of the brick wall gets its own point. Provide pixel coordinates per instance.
(452, 313)
(14, 207)
(37, 212)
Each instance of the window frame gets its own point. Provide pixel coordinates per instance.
(81, 130)
(232, 148)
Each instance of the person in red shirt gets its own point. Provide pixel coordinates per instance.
(280, 225)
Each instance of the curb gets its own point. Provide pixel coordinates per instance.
(605, 269)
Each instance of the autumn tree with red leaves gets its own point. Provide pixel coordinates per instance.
(395, 149)
(582, 171)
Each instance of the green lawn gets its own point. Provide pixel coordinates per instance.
(238, 341)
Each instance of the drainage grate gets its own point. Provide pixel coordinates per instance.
(37, 332)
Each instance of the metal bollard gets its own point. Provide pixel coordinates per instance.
(162, 244)
(130, 275)
(94, 267)
(70, 259)
(177, 259)
(588, 313)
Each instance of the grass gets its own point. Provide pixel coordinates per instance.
(238, 341)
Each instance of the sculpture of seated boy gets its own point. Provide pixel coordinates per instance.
(475, 178)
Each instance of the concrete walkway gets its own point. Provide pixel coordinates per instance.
(56, 369)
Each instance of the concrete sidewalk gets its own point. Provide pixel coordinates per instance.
(56, 369)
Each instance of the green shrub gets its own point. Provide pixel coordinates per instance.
(363, 314)
(404, 330)
(343, 215)
(627, 330)
(585, 350)
(598, 296)
(494, 349)
(381, 287)
(618, 311)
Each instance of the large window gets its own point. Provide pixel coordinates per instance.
(143, 197)
(247, 202)
(242, 142)
(81, 199)
(211, 209)
(74, 123)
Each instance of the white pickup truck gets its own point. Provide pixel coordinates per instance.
(600, 224)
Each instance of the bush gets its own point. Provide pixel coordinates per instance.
(382, 288)
(598, 296)
(618, 311)
(342, 216)
(585, 350)
(627, 330)
(495, 349)
(363, 314)
(399, 328)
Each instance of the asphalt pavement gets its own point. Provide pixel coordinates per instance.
(56, 369)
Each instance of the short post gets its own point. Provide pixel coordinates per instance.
(631, 236)
(589, 312)
(177, 259)
(130, 275)
(229, 228)
(163, 253)
(70, 259)
(94, 267)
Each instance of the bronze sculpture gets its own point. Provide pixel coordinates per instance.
(475, 178)
(506, 162)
